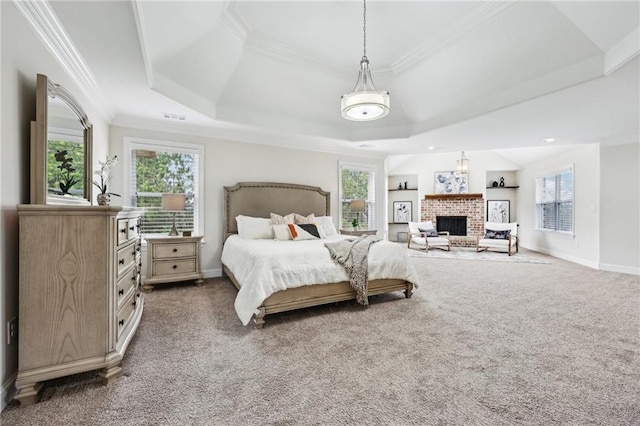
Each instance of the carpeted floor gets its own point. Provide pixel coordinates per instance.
(464, 253)
(480, 343)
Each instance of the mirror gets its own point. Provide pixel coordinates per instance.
(61, 141)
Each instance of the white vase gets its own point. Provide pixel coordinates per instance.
(104, 199)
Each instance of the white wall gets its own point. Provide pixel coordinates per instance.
(620, 208)
(23, 56)
(228, 162)
(585, 246)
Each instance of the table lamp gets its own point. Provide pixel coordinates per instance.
(174, 203)
(357, 207)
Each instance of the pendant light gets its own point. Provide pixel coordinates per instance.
(365, 103)
(463, 164)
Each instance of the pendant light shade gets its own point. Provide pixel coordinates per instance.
(365, 103)
(463, 164)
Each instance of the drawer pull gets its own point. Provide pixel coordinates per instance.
(131, 228)
(175, 266)
(133, 278)
(134, 303)
(123, 231)
(121, 261)
(121, 292)
(121, 322)
(175, 250)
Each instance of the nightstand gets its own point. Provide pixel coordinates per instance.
(359, 232)
(172, 259)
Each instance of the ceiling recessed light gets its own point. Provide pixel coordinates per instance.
(549, 140)
(431, 148)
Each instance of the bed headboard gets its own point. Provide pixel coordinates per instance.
(260, 199)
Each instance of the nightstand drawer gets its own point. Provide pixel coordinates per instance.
(166, 251)
(173, 267)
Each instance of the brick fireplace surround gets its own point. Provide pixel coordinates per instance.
(469, 205)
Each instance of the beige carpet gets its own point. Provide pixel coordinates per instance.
(480, 343)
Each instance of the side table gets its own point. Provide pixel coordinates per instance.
(172, 259)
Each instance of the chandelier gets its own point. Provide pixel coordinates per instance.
(463, 164)
(365, 103)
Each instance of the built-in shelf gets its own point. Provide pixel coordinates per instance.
(503, 187)
(408, 189)
(398, 223)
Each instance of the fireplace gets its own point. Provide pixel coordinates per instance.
(456, 225)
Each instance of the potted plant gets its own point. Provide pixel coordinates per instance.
(67, 180)
(104, 172)
(355, 223)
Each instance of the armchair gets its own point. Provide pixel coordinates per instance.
(419, 235)
(499, 236)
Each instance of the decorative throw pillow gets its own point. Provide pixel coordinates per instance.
(497, 235)
(254, 228)
(304, 219)
(326, 224)
(276, 219)
(303, 231)
(429, 232)
(281, 232)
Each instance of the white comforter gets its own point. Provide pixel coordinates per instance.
(263, 267)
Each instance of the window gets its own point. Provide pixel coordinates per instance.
(158, 168)
(554, 202)
(357, 183)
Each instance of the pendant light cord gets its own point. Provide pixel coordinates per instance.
(364, 29)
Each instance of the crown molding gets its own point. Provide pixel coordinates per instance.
(138, 16)
(50, 31)
(234, 24)
(478, 15)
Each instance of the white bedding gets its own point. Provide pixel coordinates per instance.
(263, 267)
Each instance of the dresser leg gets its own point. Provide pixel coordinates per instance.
(199, 282)
(29, 394)
(109, 374)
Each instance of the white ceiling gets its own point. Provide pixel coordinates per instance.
(462, 75)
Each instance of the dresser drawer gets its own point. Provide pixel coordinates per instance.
(165, 251)
(173, 267)
(126, 257)
(126, 285)
(128, 229)
(125, 313)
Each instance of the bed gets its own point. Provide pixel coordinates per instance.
(277, 276)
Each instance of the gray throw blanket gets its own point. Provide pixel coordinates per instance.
(352, 255)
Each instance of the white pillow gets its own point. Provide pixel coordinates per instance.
(326, 224)
(277, 219)
(254, 228)
(281, 232)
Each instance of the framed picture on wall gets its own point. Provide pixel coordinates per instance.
(402, 211)
(498, 211)
(451, 183)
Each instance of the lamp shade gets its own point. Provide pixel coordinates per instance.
(357, 206)
(173, 202)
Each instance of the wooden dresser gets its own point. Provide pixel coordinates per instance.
(80, 299)
(172, 259)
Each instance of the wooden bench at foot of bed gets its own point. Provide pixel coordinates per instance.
(318, 294)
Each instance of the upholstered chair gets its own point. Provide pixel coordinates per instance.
(423, 235)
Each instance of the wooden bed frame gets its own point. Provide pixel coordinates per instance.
(259, 199)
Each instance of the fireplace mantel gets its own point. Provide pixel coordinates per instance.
(450, 196)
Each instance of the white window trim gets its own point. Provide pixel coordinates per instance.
(363, 167)
(130, 143)
(555, 172)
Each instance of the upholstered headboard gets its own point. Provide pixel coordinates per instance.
(260, 199)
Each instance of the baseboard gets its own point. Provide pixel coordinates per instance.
(212, 273)
(8, 391)
(620, 268)
(584, 262)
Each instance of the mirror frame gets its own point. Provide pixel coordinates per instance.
(39, 140)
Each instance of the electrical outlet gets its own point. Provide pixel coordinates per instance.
(12, 330)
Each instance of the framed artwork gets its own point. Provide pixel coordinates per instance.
(402, 211)
(451, 183)
(498, 211)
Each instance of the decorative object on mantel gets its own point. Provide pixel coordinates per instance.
(366, 102)
(451, 183)
(494, 184)
(463, 164)
(501, 182)
(174, 203)
(104, 172)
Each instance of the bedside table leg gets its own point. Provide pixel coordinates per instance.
(199, 282)
(147, 288)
